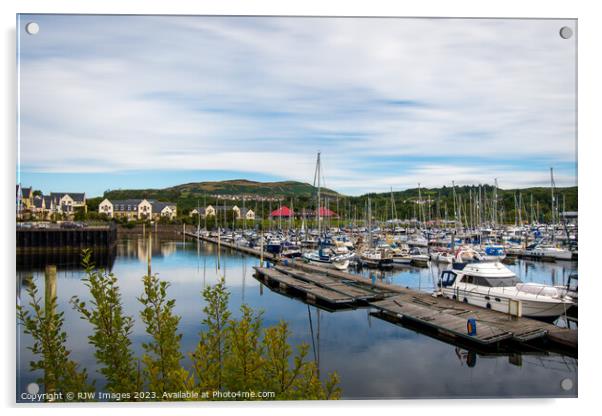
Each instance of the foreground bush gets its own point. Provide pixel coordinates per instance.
(232, 355)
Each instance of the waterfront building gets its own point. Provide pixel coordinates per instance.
(132, 209)
(26, 198)
(163, 210)
(68, 202)
(137, 209)
(19, 201)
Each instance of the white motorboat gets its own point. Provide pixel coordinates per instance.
(325, 258)
(419, 257)
(442, 257)
(493, 253)
(546, 251)
(401, 254)
(377, 257)
(494, 286)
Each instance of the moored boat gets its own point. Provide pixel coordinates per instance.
(493, 286)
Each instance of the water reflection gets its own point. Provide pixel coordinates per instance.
(374, 358)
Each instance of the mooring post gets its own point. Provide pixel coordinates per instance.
(50, 296)
(149, 249)
(49, 288)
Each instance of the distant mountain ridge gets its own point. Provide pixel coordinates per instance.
(233, 187)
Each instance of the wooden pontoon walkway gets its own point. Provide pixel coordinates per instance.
(311, 291)
(449, 317)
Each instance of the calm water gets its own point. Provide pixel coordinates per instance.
(374, 358)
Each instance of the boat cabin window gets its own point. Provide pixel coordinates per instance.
(448, 278)
(467, 279)
(495, 281)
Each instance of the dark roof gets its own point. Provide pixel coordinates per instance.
(76, 196)
(159, 206)
(26, 192)
(224, 207)
(47, 201)
(126, 204)
(245, 211)
(38, 202)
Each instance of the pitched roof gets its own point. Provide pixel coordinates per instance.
(283, 211)
(26, 192)
(325, 212)
(245, 211)
(126, 204)
(160, 206)
(38, 202)
(76, 196)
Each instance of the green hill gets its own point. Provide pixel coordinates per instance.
(437, 203)
(188, 195)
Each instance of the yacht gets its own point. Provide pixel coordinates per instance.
(547, 251)
(419, 257)
(493, 253)
(442, 257)
(326, 258)
(494, 286)
(377, 257)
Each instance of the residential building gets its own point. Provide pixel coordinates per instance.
(19, 201)
(68, 202)
(247, 214)
(163, 210)
(137, 209)
(27, 198)
(132, 209)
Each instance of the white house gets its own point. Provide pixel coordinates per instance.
(137, 209)
(106, 207)
(127, 208)
(247, 214)
(164, 209)
(68, 202)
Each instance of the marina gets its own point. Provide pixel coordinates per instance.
(359, 342)
(451, 317)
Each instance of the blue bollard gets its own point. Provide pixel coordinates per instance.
(471, 327)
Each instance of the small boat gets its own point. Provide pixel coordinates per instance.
(547, 251)
(493, 253)
(442, 257)
(326, 258)
(274, 246)
(377, 258)
(494, 286)
(419, 257)
(401, 254)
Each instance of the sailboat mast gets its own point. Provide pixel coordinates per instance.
(317, 175)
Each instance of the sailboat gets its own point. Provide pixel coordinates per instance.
(323, 256)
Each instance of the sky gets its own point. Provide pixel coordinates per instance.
(116, 102)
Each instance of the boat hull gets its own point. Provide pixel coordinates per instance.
(342, 265)
(532, 309)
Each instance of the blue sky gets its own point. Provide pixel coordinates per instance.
(108, 102)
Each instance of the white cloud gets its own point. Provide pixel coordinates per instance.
(263, 95)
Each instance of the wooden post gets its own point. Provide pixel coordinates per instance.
(49, 288)
(50, 295)
(149, 255)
